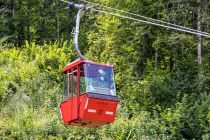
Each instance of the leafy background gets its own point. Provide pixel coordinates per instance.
(164, 93)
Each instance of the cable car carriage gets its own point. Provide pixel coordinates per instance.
(90, 94)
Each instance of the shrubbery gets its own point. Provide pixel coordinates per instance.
(31, 89)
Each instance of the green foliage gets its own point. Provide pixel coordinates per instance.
(31, 88)
(163, 92)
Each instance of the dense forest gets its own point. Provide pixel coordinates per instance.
(162, 75)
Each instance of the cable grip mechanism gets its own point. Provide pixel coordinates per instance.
(75, 30)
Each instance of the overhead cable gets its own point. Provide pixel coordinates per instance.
(147, 18)
(148, 22)
(152, 23)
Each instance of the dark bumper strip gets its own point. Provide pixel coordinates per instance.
(102, 96)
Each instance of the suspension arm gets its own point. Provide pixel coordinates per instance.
(76, 34)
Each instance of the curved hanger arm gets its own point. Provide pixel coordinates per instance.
(76, 34)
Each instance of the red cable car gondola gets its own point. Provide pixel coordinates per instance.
(91, 99)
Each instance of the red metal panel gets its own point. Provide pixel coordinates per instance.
(100, 110)
(75, 114)
(66, 111)
(83, 102)
(69, 110)
(93, 112)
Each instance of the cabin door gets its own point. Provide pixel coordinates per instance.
(72, 93)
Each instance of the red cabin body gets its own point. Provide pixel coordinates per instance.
(91, 99)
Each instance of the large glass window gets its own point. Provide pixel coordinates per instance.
(99, 79)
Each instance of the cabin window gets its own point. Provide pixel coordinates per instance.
(99, 79)
(71, 82)
(82, 80)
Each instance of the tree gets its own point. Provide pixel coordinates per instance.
(7, 24)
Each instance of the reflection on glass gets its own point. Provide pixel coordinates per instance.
(99, 79)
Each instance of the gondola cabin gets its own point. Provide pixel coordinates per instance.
(90, 94)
